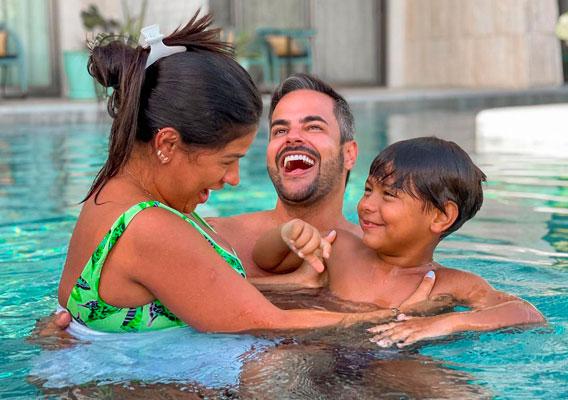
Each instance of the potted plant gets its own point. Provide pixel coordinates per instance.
(80, 84)
(562, 28)
(562, 34)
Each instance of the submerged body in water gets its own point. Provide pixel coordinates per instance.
(317, 364)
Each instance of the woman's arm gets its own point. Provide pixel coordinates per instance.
(490, 310)
(178, 266)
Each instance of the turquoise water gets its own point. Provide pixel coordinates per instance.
(518, 242)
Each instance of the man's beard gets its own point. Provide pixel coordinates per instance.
(328, 177)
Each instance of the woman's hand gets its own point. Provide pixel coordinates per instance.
(408, 330)
(307, 242)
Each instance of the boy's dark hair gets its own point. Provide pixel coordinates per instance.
(435, 171)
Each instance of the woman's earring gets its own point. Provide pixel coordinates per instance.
(162, 156)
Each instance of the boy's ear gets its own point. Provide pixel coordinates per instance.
(349, 154)
(442, 221)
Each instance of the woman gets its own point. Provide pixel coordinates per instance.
(180, 127)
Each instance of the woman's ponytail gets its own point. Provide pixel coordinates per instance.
(114, 64)
(203, 93)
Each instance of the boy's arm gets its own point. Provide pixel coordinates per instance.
(297, 246)
(490, 309)
(272, 254)
(285, 248)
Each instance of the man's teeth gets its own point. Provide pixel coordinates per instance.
(296, 157)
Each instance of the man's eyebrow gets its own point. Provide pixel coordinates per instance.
(311, 118)
(284, 122)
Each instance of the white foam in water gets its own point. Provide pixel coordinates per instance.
(173, 355)
(538, 130)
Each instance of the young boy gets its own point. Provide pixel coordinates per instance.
(418, 192)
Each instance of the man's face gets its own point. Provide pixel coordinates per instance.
(304, 156)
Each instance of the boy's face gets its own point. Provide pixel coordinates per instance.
(393, 222)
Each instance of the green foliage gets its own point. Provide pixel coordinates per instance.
(244, 43)
(94, 21)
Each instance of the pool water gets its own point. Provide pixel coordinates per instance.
(518, 242)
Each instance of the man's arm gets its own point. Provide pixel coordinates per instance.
(490, 309)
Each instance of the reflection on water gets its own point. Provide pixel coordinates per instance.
(518, 242)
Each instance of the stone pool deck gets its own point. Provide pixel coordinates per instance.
(63, 111)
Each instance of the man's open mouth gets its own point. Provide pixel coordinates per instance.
(297, 162)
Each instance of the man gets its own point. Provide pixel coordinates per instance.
(310, 153)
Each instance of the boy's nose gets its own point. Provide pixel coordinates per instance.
(368, 204)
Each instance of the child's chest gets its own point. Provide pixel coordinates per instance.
(370, 286)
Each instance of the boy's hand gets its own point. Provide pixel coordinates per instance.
(409, 330)
(307, 242)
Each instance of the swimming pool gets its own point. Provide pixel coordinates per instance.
(518, 242)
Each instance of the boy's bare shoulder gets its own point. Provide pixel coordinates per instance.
(347, 247)
(347, 239)
(461, 284)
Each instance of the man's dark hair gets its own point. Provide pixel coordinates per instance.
(435, 171)
(341, 109)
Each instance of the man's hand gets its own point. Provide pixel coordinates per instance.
(306, 241)
(50, 331)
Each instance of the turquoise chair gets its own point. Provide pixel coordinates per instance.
(14, 57)
(286, 48)
(255, 54)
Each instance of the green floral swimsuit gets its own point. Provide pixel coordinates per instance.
(87, 307)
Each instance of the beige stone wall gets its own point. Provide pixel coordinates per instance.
(473, 43)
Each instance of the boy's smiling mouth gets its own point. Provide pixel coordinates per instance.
(366, 224)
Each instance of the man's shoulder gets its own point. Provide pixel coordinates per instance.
(246, 221)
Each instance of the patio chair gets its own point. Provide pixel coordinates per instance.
(12, 55)
(286, 48)
(255, 54)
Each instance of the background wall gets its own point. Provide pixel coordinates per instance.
(430, 43)
(346, 47)
(481, 43)
(169, 14)
(29, 20)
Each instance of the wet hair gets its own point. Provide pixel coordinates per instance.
(434, 171)
(341, 108)
(203, 93)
